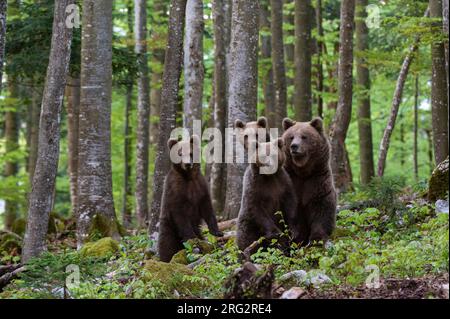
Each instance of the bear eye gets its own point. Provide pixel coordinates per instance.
(304, 137)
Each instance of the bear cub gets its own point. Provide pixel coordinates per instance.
(185, 201)
(263, 196)
(308, 164)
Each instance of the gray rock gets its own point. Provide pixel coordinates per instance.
(293, 293)
(441, 206)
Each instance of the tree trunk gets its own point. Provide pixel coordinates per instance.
(11, 145)
(363, 81)
(416, 129)
(430, 151)
(289, 48)
(302, 78)
(445, 27)
(143, 107)
(221, 41)
(266, 56)
(398, 93)
(169, 98)
(3, 6)
(243, 85)
(194, 71)
(341, 121)
(36, 99)
(279, 68)
(439, 87)
(41, 197)
(320, 52)
(127, 189)
(96, 212)
(73, 114)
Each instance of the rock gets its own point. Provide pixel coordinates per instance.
(317, 278)
(445, 290)
(103, 248)
(197, 246)
(441, 206)
(180, 258)
(301, 277)
(438, 184)
(293, 293)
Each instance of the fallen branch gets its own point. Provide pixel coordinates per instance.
(8, 277)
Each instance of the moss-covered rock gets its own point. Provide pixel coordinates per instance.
(10, 243)
(180, 258)
(103, 248)
(19, 226)
(102, 226)
(438, 184)
(172, 276)
(196, 246)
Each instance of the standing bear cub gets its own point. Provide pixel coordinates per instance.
(185, 201)
(308, 164)
(263, 196)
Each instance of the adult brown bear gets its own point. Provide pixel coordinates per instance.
(308, 164)
(185, 201)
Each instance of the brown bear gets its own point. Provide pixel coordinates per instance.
(248, 132)
(185, 202)
(308, 164)
(263, 196)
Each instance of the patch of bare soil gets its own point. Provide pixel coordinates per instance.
(418, 288)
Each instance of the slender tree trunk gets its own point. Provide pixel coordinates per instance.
(11, 145)
(3, 6)
(439, 89)
(169, 98)
(279, 68)
(363, 81)
(416, 129)
(221, 41)
(194, 71)
(341, 121)
(243, 87)
(73, 114)
(127, 187)
(289, 48)
(320, 52)
(143, 107)
(398, 93)
(41, 197)
(36, 99)
(96, 213)
(302, 79)
(445, 27)
(431, 164)
(266, 56)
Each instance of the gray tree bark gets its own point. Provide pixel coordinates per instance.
(3, 6)
(194, 71)
(278, 65)
(35, 111)
(341, 120)
(221, 45)
(320, 52)
(96, 211)
(41, 197)
(302, 77)
(363, 81)
(143, 108)
(439, 88)
(289, 48)
(169, 99)
(243, 84)
(416, 129)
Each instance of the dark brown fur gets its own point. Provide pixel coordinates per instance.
(262, 197)
(307, 163)
(185, 203)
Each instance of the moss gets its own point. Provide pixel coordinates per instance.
(180, 258)
(204, 246)
(173, 276)
(10, 242)
(340, 232)
(438, 184)
(103, 248)
(103, 226)
(19, 226)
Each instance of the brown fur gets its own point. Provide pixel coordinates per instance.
(262, 197)
(307, 163)
(249, 132)
(185, 202)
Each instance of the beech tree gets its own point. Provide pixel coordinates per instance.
(3, 6)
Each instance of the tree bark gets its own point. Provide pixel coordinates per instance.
(302, 78)
(127, 155)
(3, 6)
(36, 99)
(445, 28)
(341, 120)
(363, 81)
(41, 197)
(278, 65)
(73, 114)
(416, 129)
(169, 98)
(289, 48)
(398, 93)
(194, 71)
(96, 213)
(439, 88)
(243, 85)
(266, 61)
(320, 52)
(143, 108)
(221, 45)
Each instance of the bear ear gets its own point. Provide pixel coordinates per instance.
(287, 123)
(195, 139)
(280, 143)
(262, 122)
(317, 123)
(171, 142)
(239, 124)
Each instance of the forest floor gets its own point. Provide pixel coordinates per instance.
(390, 237)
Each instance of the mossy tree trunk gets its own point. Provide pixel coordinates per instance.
(3, 6)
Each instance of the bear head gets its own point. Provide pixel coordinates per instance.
(185, 154)
(251, 131)
(267, 156)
